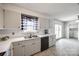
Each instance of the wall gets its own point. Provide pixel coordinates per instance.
(51, 25)
(23, 10)
(12, 16)
(62, 24)
(53, 21)
(66, 34)
(70, 24)
(44, 24)
(1, 17)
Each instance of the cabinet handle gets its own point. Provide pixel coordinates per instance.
(23, 46)
(33, 43)
(19, 44)
(13, 48)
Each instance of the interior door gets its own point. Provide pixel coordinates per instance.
(58, 31)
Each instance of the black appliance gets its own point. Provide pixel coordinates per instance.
(45, 31)
(44, 43)
(2, 53)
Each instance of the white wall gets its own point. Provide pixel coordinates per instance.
(65, 30)
(70, 24)
(44, 24)
(78, 31)
(52, 26)
(62, 24)
(13, 17)
(23, 10)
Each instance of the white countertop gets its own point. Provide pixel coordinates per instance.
(44, 35)
(5, 45)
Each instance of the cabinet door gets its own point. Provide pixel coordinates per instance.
(52, 40)
(12, 19)
(28, 50)
(36, 48)
(32, 47)
(18, 50)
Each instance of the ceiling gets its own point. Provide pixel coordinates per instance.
(61, 11)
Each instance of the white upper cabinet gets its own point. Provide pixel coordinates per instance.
(1, 18)
(12, 19)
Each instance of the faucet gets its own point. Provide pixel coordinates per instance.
(30, 35)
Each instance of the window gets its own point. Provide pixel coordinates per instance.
(29, 23)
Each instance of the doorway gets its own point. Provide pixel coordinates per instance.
(58, 31)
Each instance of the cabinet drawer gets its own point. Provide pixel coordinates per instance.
(31, 42)
(50, 40)
(17, 43)
(26, 42)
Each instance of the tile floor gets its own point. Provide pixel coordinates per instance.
(63, 47)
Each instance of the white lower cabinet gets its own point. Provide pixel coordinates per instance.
(37, 47)
(32, 47)
(18, 50)
(52, 40)
(26, 48)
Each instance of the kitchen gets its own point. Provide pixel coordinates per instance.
(31, 29)
(15, 40)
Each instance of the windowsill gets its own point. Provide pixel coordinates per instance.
(29, 31)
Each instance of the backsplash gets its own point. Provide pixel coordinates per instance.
(9, 32)
(18, 33)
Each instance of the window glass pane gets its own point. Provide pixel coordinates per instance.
(29, 23)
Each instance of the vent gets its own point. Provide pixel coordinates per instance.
(78, 17)
(77, 20)
(77, 3)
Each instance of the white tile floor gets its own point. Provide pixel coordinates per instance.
(63, 47)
